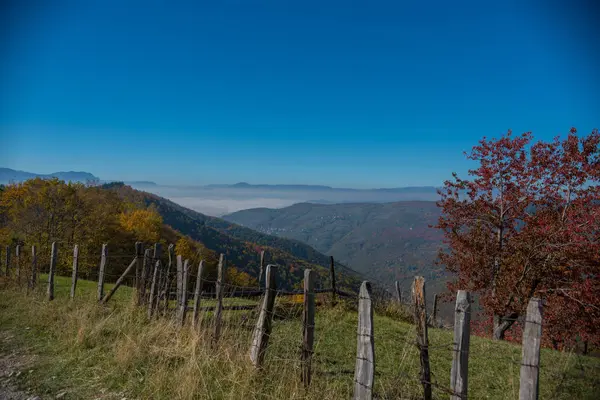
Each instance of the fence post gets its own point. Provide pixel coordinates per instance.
(53, 256)
(152, 297)
(138, 272)
(33, 267)
(75, 268)
(434, 311)
(7, 261)
(18, 262)
(167, 282)
(197, 292)
(364, 370)
(179, 272)
(144, 276)
(398, 292)
(332, 276)
(308, 324)
(103, 261)
(120, 281)
(184, 296)
(155, 278)
(262, 330)
(530, 360)
(219, 288)
(460, 357)
(420, 310)
(261, 270)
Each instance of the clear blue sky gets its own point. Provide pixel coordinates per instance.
(361, 94)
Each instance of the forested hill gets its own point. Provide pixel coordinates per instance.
(241, 245)
(387, 241)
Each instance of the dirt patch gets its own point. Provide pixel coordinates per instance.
(13, 363)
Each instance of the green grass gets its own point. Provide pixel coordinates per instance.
(114, 352)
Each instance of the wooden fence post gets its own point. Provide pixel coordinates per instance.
(434, 311)
(530, 360)
(51, 272)
(261, 270)
(138, 272)
(120, 280)
(460, 356)
(197, 292)
(144, 276)
(219, 289)
(152, 297)
(184, 293)
(308, 324)
(418, 293)
(7, 261)
(398, 292)
(33, 282)
(167, 281)
(179, 276)
(155, 278)
(332, 277)
(364, 370)
(262, 330)
(18, 263)
(101, 270)
(75, 268)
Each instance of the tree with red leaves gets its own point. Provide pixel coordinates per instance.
(527, 223)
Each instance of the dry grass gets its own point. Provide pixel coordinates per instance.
(115, 352)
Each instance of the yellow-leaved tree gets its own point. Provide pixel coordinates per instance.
(145, 225)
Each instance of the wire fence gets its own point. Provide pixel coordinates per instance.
(173, 289)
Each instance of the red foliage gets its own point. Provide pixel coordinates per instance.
(527, 224)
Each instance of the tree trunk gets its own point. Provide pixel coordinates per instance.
(502, 324)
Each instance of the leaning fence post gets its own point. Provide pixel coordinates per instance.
(51, 272)
(262, 330)
(197, 292)
(219, 288)
(101, 270)
(33, 267)
(364, 370)
(75, 268)
(184, 296)
(460, 356)
(332, 276)
(18, 262)
(152, 296)
(530, 360)
(144, 276)
(119, 281)
(418, 293)
(308, 324)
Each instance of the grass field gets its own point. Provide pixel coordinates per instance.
(91, 351)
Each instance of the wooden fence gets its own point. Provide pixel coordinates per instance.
(153, 282)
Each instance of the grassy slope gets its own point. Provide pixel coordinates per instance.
(88, 350)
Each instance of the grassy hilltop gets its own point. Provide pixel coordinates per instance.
(89, 351)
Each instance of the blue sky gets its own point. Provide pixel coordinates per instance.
(354, 94)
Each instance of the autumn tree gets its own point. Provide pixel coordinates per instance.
(527, 223)
(144, 224)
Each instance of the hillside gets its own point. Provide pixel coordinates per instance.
(387, 241)
(241, 245)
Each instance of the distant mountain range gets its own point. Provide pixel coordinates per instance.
(244, 185)
(388, 241)
(8, 175)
